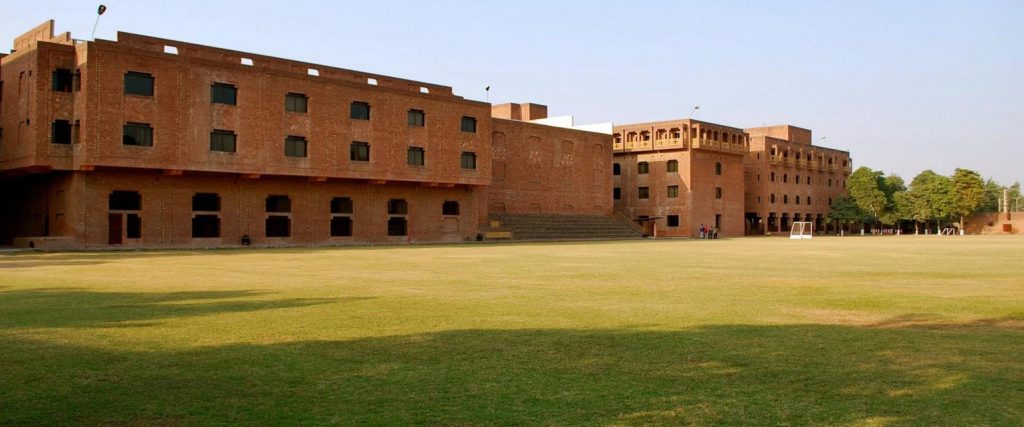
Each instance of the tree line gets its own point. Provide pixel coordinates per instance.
(932, 200)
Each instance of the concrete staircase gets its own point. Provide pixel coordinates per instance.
(562, 227)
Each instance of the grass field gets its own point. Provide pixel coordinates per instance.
(834, 331)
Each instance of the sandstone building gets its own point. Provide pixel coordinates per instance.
(152, 142)
(673, 176)
(790, 179)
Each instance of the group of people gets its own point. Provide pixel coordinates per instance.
(707, 232)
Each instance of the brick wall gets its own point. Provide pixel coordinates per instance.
(547, 169)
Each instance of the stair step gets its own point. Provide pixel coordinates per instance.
(565, 227)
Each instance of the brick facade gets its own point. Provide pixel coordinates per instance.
(789, 179)
(707, 181)
(550, 170)
(284, 128)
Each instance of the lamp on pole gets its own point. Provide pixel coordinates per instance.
(694, 110)
(99, 12)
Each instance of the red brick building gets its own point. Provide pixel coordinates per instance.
(788, 178)
(153, 142)
(673, 176)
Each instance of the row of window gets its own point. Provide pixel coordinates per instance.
(671, 192)
(808, 180)
(809, 157)
(785, 199)
(142, 84)
(125, 206)
(643, 168)
(141, 134)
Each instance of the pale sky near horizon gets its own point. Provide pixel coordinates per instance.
(903, 85)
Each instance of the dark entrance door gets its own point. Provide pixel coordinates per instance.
(115, 224)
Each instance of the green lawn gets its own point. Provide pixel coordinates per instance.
(834, 331)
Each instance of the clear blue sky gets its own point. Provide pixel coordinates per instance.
(904, 85)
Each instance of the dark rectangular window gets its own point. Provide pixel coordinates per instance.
(673, 220)
(61, 132)
(205, 226)
(295, 146)
(279, 204)
(295, 102)
(278, 226)
(450, 207)
(341, 205)
(359, 152)
(643, 192)
(616, 169)
(222, 140)
(139, 134)
(468, 160)
(643, 167)
(718, 192)
(124, 201)
(223, 93)
(415, 156)
(62, 80)
(469, 124)
(672, 166)
(718, 168)
(360, 111)
(397, 226)
(398, 207)
(673, 191)
(341, 226)
(206, 202)
(138, 83)
(616, 193)
(133, 228)
(417, 118)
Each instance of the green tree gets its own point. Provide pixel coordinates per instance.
(993, 193)
(968, 191)
(844, 211)
(903, 208)
(865, 189)
(929, 198)
(892, 186)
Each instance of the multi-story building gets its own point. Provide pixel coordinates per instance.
(674, 176)
(788, 178)
(152, 142)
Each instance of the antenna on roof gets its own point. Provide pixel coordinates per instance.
(99, 11)
(694, 110)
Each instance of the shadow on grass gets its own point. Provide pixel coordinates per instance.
(63, 307)
(728, 374)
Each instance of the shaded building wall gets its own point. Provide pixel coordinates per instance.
(36, 205)
(551, 170)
